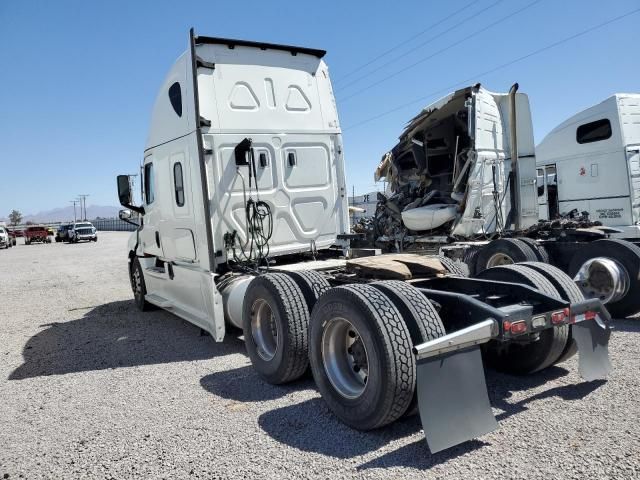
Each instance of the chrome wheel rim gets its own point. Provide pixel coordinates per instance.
(345, 358)
(603, 278)
(498, 259)
(264, 329)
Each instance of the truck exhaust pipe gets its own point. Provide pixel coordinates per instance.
(513, 146)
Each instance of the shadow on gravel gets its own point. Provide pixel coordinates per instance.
(233, 385)
(501, 387)
(310, 426)
(117, 335)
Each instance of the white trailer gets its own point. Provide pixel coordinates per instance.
(244, 223)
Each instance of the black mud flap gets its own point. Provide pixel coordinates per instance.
(592, 338)
(453, 399)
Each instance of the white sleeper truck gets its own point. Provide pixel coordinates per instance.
(591, 163)
(243, 223)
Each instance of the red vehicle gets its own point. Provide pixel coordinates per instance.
(36, 234)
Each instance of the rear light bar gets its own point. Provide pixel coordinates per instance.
(588, 315)
(516, 328)
(560, 316)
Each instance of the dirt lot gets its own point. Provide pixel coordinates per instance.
(91, 388)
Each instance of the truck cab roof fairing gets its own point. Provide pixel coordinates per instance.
(232, 43)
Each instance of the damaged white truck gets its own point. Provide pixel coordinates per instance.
(454, 187)
(243, 223)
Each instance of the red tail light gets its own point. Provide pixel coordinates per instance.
(518, 327)
(588, 315)
(558, 317)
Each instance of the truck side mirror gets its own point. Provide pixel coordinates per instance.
(125, 196)
(124, 190)
(126, 216)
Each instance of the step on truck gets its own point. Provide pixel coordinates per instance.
(243, 223)
(454, 187)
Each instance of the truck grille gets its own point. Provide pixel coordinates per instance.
(84, 231)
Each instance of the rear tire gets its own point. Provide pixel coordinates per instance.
(312, 285)
(504, 251)
(419, 315)
(361, 356)
(626, 254)
(525, 358)
(470, 258)
(569, 291)
(540, 252)
(456, 268)
(275, 325)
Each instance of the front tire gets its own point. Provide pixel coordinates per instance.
(138, 286)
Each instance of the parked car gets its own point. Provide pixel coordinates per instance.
(5, 239)
(80, 231)
(62, 234)
(36, 234)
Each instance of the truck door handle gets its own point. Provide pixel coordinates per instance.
(158, 239)
(291, 157)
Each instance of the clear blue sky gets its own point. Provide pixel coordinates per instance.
(79, 77)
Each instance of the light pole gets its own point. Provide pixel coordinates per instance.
(83, 200)
(74, 210)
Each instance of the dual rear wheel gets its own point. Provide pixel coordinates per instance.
(357, 339)
(550, 346)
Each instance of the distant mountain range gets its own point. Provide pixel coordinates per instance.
(66, 213)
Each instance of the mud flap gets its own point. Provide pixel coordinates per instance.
(592, 338)
(453, 399)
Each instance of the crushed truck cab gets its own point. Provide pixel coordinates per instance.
(243, 221)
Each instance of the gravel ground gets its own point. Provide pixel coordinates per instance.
(92, 388)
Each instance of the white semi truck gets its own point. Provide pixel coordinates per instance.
(244, 223)
(591, 163)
